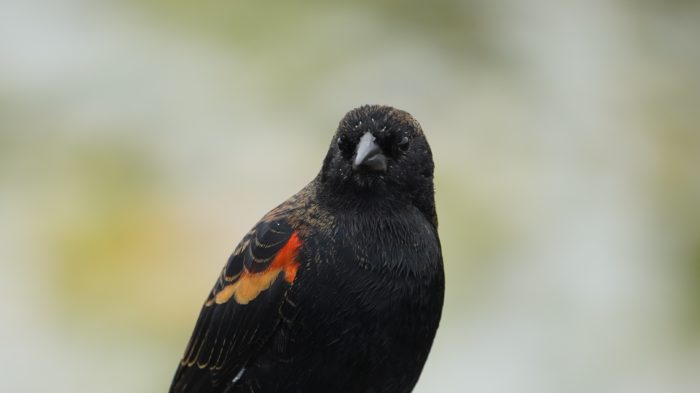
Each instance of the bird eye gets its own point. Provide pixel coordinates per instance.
(344, 145)
(403, 144)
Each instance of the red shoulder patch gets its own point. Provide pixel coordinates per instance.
(249, 285)
(286, 259)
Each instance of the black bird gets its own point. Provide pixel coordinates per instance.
(338, 289)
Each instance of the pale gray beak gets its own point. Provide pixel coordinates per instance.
(369, 155)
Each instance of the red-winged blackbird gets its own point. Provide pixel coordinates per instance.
(338, 289)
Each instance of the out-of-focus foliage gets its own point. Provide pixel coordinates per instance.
(140, 140)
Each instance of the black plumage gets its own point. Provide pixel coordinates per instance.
(338, 289)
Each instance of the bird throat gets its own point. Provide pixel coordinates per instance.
(388, 240)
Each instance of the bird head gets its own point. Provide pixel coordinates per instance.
(379, 152)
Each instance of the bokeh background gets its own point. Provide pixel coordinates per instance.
(139, 141)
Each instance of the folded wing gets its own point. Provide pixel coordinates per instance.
(242, 311)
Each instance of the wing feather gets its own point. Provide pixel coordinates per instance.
(243, 310)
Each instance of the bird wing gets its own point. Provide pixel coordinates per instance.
(242, 311)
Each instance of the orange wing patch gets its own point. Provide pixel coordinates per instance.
(249, 285)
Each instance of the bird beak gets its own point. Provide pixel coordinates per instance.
(369, 155)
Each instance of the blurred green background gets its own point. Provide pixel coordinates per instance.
(139, 141)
